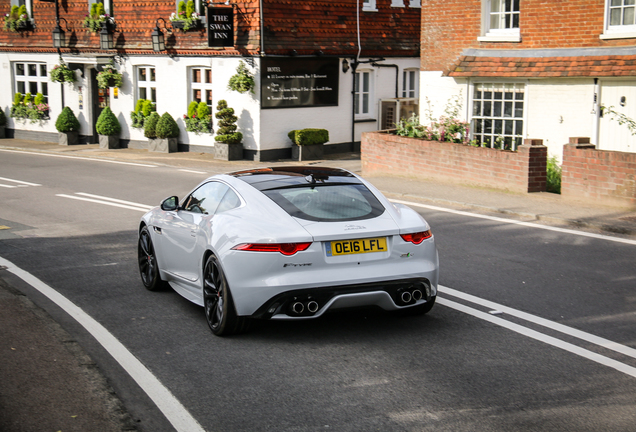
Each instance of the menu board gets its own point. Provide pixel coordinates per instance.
(299, 82)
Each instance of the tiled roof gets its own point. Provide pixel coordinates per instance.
(545, 67)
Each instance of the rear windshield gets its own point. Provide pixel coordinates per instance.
(346, 202)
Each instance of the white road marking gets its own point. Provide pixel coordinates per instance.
(511, 221)
(570, 331)
(20, 183)
(169, 405)
(107, 201)
(82, 158)
(606, 361)
(192, 171)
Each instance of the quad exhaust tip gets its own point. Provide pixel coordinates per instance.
(312, 306)
(298, 308)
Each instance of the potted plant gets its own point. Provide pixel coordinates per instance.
(68, 127)
(143, 109)
(150, 129)
(108, 128)
(167, 132)
(61, 73)
(94, 21)
(186, 18)
(242, 81)
(198, 119)
(228, 141)
(27, 107)
(3, 123)
(17, 19)
(308, 144)
(109, 77)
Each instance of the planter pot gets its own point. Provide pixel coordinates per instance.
(108, 142)
(163, 145)
(309, 152)
(2, 133)
(24, 25)
(179, 25)
(228, 152)
(68, 138)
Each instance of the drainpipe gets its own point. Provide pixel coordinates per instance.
(262, 30)
(596, 110)
(354, 66)
(397, 74)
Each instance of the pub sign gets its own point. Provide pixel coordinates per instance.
(220, 27)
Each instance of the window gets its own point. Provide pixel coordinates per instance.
(409, 83)
(369, 6)
(27, 3)
(201, 85)
(362, 100)
(211, 198)
(497, 117)
(500, 21)
(620, 19)
(31, 78)
(146, 83)
(107, 5)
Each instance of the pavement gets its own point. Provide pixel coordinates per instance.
(71, 394)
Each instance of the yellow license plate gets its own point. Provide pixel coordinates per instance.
(358, 246)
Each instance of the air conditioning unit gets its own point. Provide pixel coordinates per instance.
(393, 110)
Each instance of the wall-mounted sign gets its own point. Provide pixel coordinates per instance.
(220, 27)
(299, 82)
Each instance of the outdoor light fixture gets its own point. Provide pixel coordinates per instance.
(59, 37)
(345, 66)
(158, 41)
(106, 38)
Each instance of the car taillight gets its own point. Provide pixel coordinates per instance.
(418, 237)
(284, 248)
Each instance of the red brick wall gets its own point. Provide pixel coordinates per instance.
(598, 175)
(521, 171)
(450, 26)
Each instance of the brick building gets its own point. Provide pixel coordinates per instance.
(533, 68)
(315, 64)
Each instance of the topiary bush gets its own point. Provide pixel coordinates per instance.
(150, 126)
(107, 123)
(227, 125)
(66, 121)
(167, 127)
(309, 136)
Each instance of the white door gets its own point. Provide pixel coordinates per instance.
(619, 96)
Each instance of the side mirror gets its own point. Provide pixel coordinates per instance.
(170, 204)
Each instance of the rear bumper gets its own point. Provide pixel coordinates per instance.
(314, 302)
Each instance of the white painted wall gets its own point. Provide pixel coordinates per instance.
(555, 110)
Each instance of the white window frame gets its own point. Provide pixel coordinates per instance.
(41, 79)
(411, 76)
(620, 31)
(511, 34)
(148, 85)
(107, 5)
(415, 4)
(203, 86)
(397, 3)
(369, 6)
(360, 112)
(516, 87)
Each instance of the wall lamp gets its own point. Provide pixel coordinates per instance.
(158, 40)
(59, 36)
(345, 66)
(106, 41)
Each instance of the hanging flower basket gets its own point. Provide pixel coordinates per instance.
(109, 77)
(62, 74)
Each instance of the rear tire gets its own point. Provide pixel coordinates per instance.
(217, 301)
(148, 267)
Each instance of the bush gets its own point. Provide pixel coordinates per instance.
(309, 136)
(107, 123)
(3, 118)
(66, 121)
(227, 125)
(553, 178)
(192, 109)
(150, 126)
(167, 127)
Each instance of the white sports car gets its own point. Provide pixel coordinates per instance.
(288, 243)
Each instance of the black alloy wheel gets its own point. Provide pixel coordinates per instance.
(217, 301)
(148, 268)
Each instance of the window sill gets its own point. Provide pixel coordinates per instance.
(369, 10)
(500, 38)
(365, 120)
(618, 35)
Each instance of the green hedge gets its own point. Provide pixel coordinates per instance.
(309, 136)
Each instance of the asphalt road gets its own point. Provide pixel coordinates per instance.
(463, 367)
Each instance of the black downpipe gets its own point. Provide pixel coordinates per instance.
(354, 66)
(397, 74)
